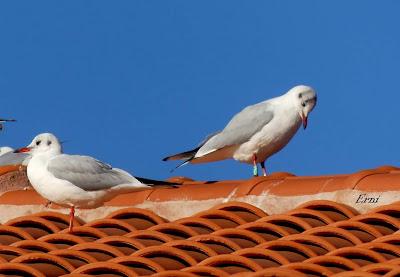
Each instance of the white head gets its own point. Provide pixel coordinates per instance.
(45, 143)
(304, 98)
(5, 149)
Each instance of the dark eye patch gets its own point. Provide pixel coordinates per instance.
(38, 142)
(300, 95)
(48, 142)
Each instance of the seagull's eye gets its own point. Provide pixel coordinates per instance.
(48, 142)
(300, 95)
(38, 142)
(303, 104)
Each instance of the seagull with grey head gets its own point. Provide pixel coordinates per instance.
(77, 181)
(257, 132)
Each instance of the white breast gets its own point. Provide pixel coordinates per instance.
(60, 191)
(271, 139)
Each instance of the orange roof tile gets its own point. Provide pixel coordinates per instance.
(280, 225)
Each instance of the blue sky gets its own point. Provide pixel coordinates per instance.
(129, 82)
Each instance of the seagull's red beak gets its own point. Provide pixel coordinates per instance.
(23, 150)
(304, 120)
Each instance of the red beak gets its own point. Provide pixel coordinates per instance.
(23, 150)
(304, 119)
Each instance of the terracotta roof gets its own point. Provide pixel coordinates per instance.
(280, 225)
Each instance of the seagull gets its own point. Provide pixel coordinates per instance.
(5, 149)
(8, 157)
(77, 181)
(3, 120)
(257, 132)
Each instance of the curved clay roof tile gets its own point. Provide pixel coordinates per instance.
(318, 244)
(278, 272)
(74, 257)
(76, 275)
(290, 223)
(200, 225)
(392, 239)
(36, 226)
(10, 234)
(199, 251)
(122, 243)
(48, 264)
(242, 237)
(385, 224)
(175, 230)
(9, 253)
(60, 240)
(86, 233)
(264, 257)
(393, 273)
(202, 270)
(395, 261)
(15, 269)
(334, 263)
(149, 238)
(314, 217)
(174, 273)
(100, 251)
(387, 250)
(232, 263)
(359, 255)
(362, 230)
(224, 219)
(168, 257)
(266, 230)
(59, 219)
(246, 211)
(336, 211)
(34, 246)
(106, 268)
(392, 210)
(111, 226)
(381, 268)
(310, 269)
(140, 219)
(293, 251)
(219, 244)
(336, 236)
(141, 265)
(356, 273)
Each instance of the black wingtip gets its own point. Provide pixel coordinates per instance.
(8, 120)
(156, 183)
(165, 159)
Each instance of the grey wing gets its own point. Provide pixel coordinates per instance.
(240, 129)
(88, 173)
(11, 158)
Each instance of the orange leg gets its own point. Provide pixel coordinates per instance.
(263, 168)
(71, 218)
(255, 168)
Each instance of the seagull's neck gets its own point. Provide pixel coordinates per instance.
(43, 157)
(285, 101)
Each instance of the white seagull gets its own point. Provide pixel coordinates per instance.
(77, 181)
(8, 157)
(257, 132)
(5, 149)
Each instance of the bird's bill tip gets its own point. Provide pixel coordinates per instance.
(23, 150)
(304, 120)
